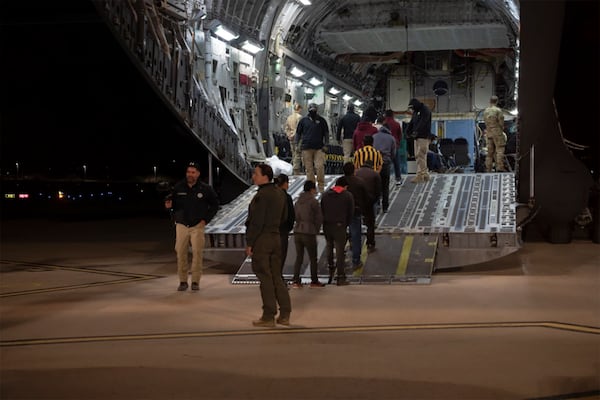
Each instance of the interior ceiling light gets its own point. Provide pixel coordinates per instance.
(305, 2)
(347, 97)
(224, 33)
(357, 103)
(315, 82)
(251, 47)
(334, 91)
(297, 72)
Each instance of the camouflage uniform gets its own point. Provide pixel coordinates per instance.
(495, 138)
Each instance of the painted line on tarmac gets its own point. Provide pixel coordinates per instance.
(129, 277)
(292, 330)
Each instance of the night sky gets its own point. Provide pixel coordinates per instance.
(70, 96)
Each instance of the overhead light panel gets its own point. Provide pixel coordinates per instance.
(315, 82)
(305, 2)
(224, 33)
(357, 103)
(251, 47)
(347, 97)
(297, 72)
(334, 91)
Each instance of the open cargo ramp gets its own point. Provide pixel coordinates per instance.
(450, 221)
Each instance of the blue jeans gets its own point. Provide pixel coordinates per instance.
(355, 238)
(385, 185)
(403, 156)
(397, 160)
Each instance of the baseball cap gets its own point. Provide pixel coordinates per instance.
(194, 164)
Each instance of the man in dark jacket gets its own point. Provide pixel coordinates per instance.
(266, 213)
(283, 182)
(419, 127)
(362, 201)
(373, 183)
(347, 124)
(337, 205)
(386, 144)
(313, 134)
(194, 204)
(309, 219)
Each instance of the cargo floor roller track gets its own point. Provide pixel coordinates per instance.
(451, 221)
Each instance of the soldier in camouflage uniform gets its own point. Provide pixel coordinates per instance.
(495, 136)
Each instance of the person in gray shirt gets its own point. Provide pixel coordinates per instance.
(386, 144)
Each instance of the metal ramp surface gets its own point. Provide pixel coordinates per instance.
(400, 259)
(451, 221)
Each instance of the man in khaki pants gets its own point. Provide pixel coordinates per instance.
(494, 135)
(313, 135)
(290, 131)
(194, 204)
(419, 127)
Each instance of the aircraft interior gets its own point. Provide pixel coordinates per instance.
(233, 71)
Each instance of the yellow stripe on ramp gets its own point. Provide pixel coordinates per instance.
(404, 256)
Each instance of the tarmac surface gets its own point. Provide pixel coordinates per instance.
(89, 310)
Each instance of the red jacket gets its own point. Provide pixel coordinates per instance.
(364, 128)
(395, 129)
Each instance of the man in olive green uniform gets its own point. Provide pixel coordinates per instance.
(495, 136)
(267, 211)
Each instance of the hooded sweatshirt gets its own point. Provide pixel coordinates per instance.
(364, 128)
(337, 205)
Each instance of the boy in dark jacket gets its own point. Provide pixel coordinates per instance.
(308, 222)
(337, 205)
(373, 182)
(362, 201)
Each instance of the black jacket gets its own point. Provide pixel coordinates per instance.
(420, 123)
(337, 205)
(288, 224)
(348, 124)
(312, 134)
(266, 213)
(194, 204)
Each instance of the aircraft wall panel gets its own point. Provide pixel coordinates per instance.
(399, 93)
(483, 85)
